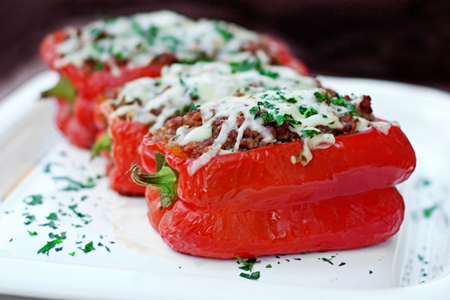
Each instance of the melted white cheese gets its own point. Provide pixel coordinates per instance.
(140, 38)
(291, 105)
(179, 83)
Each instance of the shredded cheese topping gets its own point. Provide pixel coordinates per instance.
(303, 110)
(136, 40)
(183, 86)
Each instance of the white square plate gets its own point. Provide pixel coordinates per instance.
(130, 261)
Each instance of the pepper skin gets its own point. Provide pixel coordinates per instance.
(90, 83)
(258, 202)
(127, 137)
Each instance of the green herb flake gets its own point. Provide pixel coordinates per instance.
(29, 219)
(429, 211)
(310, 133)
(35, 200)
(254, 110)
(62, 236)
(32, 233)
(72, 253)
(251, 276)
(267, 117)
(57, 239)
(227, 35)
(326, 260)
(307, 111)
(74, 185)
(73, 209)
(47, 168)
(247, 264)
(50, 224)
(268, 266)
(52, 216)
(88, 247)
(370, 272)
(342, 264)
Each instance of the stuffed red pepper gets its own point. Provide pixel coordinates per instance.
(276, 172)
(146, 103)
(111, 52)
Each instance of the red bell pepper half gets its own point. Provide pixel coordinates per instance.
(258, 202)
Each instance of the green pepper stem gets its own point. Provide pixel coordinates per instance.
(165, 181)
(103, 143)
(63, 89)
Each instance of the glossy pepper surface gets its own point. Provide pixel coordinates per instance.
(259, 202)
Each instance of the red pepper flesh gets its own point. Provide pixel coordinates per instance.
(127, 137)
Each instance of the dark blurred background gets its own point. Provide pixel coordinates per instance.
(402, 40)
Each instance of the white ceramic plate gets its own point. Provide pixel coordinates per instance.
(414, 264)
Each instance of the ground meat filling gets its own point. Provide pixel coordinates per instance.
(250, 139)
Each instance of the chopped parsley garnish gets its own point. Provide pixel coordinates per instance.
(190, 108)
(248, 65)
(57, 239)
(342, 264)
(327, 260)
(227, 35)
(149, 34)
(75, 185)
(307, 111)
(50, 224)
(32, 233)
(72, 253)
(88, 247)
(337, 100)
(73, 209)
(254, 110)
(267, 117)
(29, 219)
(268, 266)
(52, 217)
(252, 276)
(428, 211)
(35, 200)
(310, 133)
(247, 264)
